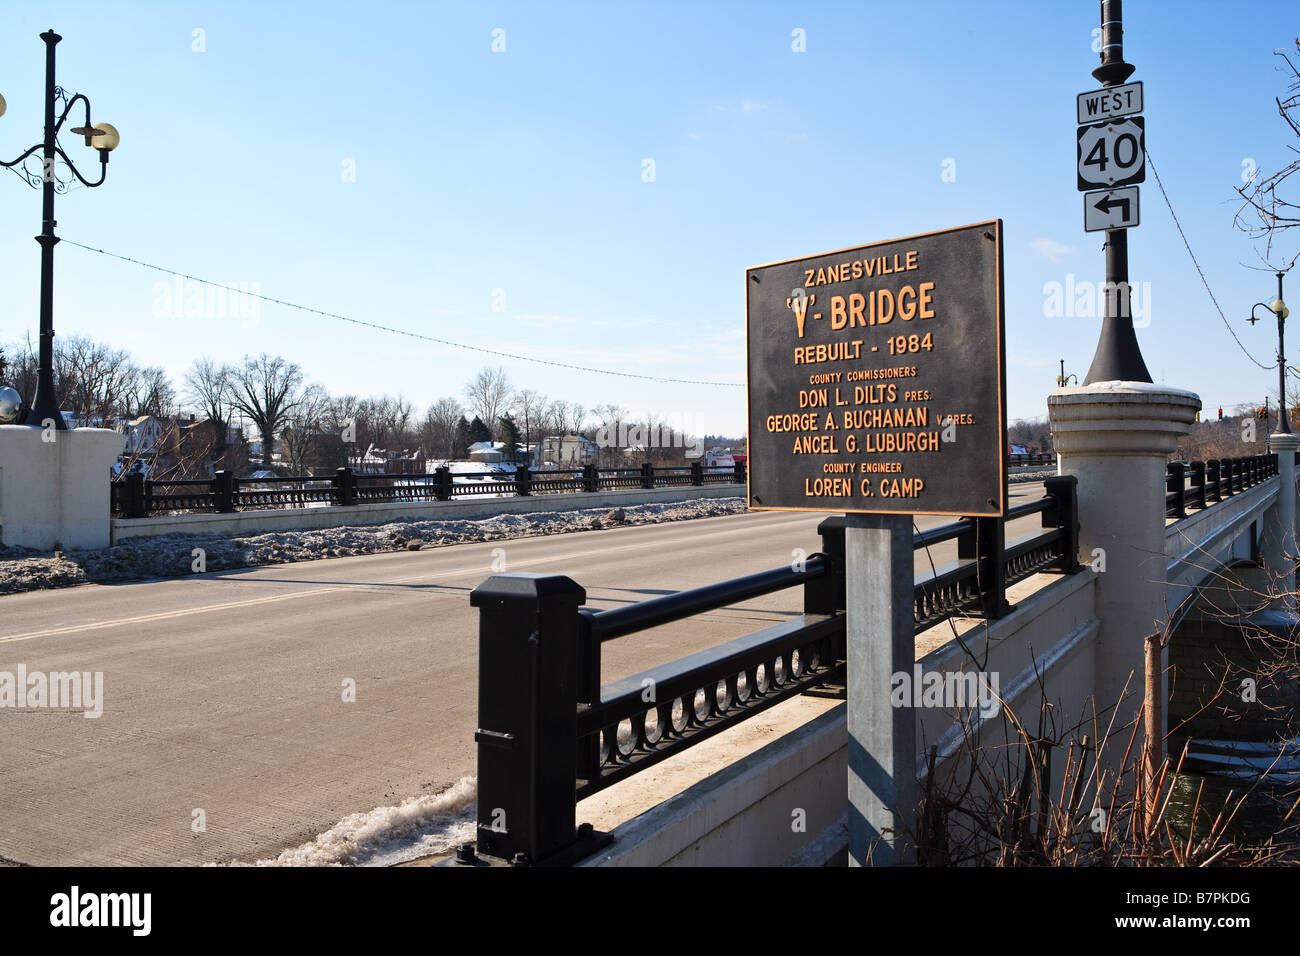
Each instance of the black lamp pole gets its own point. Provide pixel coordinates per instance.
(1118, 357)
(43, 412)
(1063, 380)
(1279, 309)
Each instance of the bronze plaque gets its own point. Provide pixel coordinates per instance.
(877, 378)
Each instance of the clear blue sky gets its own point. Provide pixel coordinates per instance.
(522, 171)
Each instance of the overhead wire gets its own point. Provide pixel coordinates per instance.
(407, 332)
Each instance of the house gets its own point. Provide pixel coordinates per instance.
(378, 461)
(487, 451)
(571, 450)
(144, 435)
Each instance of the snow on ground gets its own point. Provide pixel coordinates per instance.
(417, 827)
(138, 558)
(1031, 475)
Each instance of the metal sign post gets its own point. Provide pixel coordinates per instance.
(1111, 154)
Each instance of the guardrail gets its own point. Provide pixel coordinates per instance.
(549, 734)
(1201, 484)
(135, 496)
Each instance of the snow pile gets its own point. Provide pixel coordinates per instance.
(417, 827)
(1031, 476)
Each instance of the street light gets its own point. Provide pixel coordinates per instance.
(44, 409)
(1063, 380)
(1278, 308)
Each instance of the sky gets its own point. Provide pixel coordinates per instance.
(586, 183)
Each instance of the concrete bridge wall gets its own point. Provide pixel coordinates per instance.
(1047, 649)
(337, 516)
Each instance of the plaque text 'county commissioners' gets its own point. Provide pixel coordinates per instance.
(877, 378)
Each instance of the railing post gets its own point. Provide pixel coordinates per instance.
(827, 595)
(986, 544)
(223, 490)
(345, 486)
(1198, 484)
(587, 768)
(647, 475)
(1064, 514)
(442, 483)
(740, 473)
(1214, 480)
(590, 478)
(523, 482)
(133, 499)
(527, 714)
(1176, 483)
(697, 473)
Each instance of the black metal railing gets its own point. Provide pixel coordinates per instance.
(135, 496)
(1201, 484)
(1038, 458)
(550, 734)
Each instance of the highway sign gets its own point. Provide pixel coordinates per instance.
(1112, 154)
(1110, 209)
(877, 378)
(1111, 103)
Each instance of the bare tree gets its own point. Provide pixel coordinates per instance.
(149, 391)
(567, 417)
(93, 377)
(301, 438)
(208, 387)
(393, 419)
(438, 430)
(489, 394)
(341, 418)
(529, 409)
(266, 389)
(1263, 213)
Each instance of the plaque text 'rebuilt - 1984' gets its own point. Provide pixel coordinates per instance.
(877, 380)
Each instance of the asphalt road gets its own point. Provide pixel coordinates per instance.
(223, 692)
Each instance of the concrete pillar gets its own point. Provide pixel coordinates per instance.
(1280, 560)
(881, 642)
(1115, 437)
(54, 486)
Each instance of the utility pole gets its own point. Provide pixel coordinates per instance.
(1118, 357)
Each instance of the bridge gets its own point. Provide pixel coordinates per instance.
(1064, 617)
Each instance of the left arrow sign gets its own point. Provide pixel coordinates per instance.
(1110, 209)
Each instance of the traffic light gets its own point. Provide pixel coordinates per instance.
(1220, 413)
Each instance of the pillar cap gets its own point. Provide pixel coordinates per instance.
(527, 587)
(1120, 418)
(1284, 441)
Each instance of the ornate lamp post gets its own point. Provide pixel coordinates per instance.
(1063, 380)
(44, 409)
(1279, 309)
(1284, 444)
